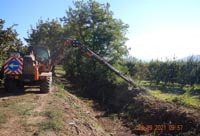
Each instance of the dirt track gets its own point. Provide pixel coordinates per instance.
(56, 113)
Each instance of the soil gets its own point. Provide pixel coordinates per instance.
(159, 117)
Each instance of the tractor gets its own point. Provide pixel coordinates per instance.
(31, 69)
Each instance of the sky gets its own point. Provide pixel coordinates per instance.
(158, 29)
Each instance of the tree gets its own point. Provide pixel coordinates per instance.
(155, 73)
(47, 34)
(142, 71)
(8, 40)
(93, 25)
(132, 69)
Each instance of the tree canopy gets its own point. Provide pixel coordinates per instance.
(46, 33)
(93, 25)
(8, 40)
(181, 72)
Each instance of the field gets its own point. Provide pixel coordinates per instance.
(185, 95)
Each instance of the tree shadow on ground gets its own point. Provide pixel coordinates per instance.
(18, 92)
(107, 96)
(195, 92)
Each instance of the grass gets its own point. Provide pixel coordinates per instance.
(54, 115)
(59, 70)
(10, 102)
(180, 99)
(2, 118)
(54, 121)
(23, 109)
(18, 106)
(174, 93)
(61, 92)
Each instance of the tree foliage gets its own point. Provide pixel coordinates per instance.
(93, 25)
(8, 40)
(47, 33)
(182, 72)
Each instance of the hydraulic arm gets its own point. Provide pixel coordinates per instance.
(90, 54)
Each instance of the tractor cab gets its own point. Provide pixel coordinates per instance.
(42, 55)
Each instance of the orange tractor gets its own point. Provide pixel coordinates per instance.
(35, 68)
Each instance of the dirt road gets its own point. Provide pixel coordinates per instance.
(57, 113)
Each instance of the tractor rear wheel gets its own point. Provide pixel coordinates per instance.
(13, 85)
(45, 85)
(10, 85)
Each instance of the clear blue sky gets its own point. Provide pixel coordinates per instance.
(158, 28)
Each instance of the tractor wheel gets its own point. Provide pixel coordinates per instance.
(20, 86)
(45, 86)
(1, 73)
(10, 85)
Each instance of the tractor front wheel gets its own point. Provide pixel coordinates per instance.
(45, 85)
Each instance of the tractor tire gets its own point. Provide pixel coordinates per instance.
(45, 85)
(20, 86)
(2, 73)
(10, 85)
